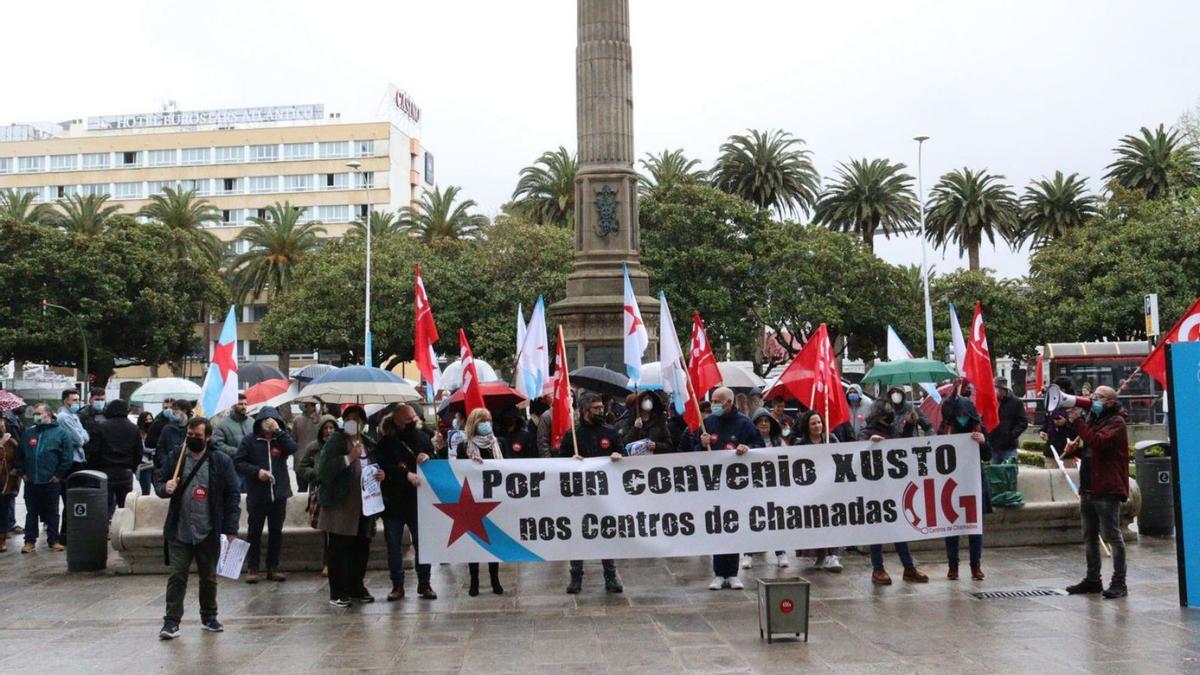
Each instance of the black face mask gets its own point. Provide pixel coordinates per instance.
(195, 444)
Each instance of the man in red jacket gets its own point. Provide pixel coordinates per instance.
(1103, 485)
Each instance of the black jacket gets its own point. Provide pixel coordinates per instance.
(155, 429)
(519, 444)
(224, 501)
(1012, 422)
(396, 454)
(116, 446)
(170, 440)
(654, 426)
(595, 440)
(257, 452)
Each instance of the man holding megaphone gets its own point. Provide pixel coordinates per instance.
(1103, 480)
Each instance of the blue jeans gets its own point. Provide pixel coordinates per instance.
(145, 479)
(906, 558)
(1002, 456)
(974, 546)
(393, 534)
(41, 503)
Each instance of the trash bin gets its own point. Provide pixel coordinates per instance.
(87, 513)
(1155, 480)
(782, 607)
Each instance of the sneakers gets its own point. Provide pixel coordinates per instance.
(747, 561)
(57, 548)
(977, 571)
(340, 602)
(276, 575)
(735, 583)
(170, 631)
(717, 584)
(212, 625)
(952, 573)
(396, 594)
(27, 548)
(252, 577)
(425, 592)
(365, 598)
(915, 575)
(782, 560)
(1116, 589)
(832, 563)
(576, 584)
(1086, 586)
(881, 578)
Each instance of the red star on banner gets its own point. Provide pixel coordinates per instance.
(223, 358)
(637, 321)
(467, 515)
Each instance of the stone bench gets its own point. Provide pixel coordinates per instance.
(136, 534)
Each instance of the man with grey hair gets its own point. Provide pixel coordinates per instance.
(43, 460)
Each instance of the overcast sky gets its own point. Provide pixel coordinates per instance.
(1019, 88)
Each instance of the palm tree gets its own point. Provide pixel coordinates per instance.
(546, 191)
(965, 206)
(437, 217)
(384, 224)
(1051, 207)
(869, 196)
(670, 167)
(86, 214)
(1156, 163)
(188, 216)
(768, 169)
(17, 206)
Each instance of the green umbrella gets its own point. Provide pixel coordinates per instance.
(908, 372)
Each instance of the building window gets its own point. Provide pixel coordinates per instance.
(230, 186)
(256, 312)
(35, 191)
(335, 149)
(297, 151)
(264, 153)
(195, 156)
(5, 164)
(62, 162)
(199, 186)
(232, 216)
(64, 191)
(334, 214)
(262, 184)
(96, 160)
(364, 148)
(29, 164)
(230, 154)
(366, 179)
(155, 187)
(161, 158)
(298, 183)
(130, 159)
(360, 213)
(128, 190)
(335, 181)
(95, 189)
(237, 247)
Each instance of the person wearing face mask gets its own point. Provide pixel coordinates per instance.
(340, 465)
(160, 420)
(92, 414)
(858, 406)
(880, 426)
(1004, 438)
(812, 432)
(649, 423)
(70, 418)
(1056, 429)
(304, 429)
(772, 437)
(964, 419)
(261, 460)
(591, 437)
(402, 446)
(116, 450)
(170, 438)
(306, 470)
(146, 468)
(233, 428)
(726, 429)
(43, 461)
(908, 418)
(204, 506)
(479, 444)
(545, 427)
(1103, 486)
(517, 440)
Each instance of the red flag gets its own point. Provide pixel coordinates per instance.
(560, 415)
(812, 378)
(425, 335)
(702, 371)
(472, 396)
(1038, 380)
(978, 369)
(1186, 329)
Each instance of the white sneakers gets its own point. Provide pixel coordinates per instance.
(747, 561)
(831, 563)
(782, 560)
(722, 582)
(717, 584)
(735, 583)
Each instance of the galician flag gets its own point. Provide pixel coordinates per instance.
(533, 358)
(636, 337)
(896, 351)
(670, 355)
(960, 345)
(521, 328)
(220, 390)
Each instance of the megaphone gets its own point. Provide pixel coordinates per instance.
(1055, 399)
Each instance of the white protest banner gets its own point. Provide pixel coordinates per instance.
(233, 556)
(372, 495)
(699, 503)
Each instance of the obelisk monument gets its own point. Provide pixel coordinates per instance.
(607, 234)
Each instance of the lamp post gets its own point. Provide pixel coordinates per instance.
(924, 263)
(356, 167)
(83, 335)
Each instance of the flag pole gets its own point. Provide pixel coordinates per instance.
(567, 377)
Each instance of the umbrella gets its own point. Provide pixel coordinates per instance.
(309, 373)
(452, 375)
(496, 397)
(738, 378)
(10, 401)
(250, 374)
(907, 372)
(600, 380)
(265, 390)
(651, 376)
(282, 398)
(157, 391)
(359, 384)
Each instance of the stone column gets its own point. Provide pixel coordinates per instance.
(606, 212)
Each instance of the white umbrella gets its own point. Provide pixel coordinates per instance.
(361, 385)
(452, 375)
(738, 377)
(651, 376)
(157, 391)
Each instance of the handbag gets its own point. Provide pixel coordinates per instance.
(313, 509)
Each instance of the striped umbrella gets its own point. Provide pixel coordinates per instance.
(10, 401)
(361, 385)
(309, 373)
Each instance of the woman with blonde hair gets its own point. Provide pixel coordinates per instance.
(480, 444)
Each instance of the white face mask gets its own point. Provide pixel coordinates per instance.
(897, 398)
(350, 427)
(647, 405)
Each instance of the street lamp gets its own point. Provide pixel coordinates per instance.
(82, 334)
(356, 167)
(924, 263)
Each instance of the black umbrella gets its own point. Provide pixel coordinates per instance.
(601, 381)
(309, 373)
(251, 374)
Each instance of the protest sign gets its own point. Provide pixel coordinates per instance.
(372, 495)
(233, 556)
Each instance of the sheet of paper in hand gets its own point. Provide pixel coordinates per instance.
(233, 556)
(372, 496)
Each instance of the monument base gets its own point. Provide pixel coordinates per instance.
(593, 329)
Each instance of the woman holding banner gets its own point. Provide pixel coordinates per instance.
(772, 437)
(811, 431)
(964, 419)
(480, 444)
(880, 425)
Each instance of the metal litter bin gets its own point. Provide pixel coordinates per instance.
(782, 607)
(87, 513)
(1155, 480)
